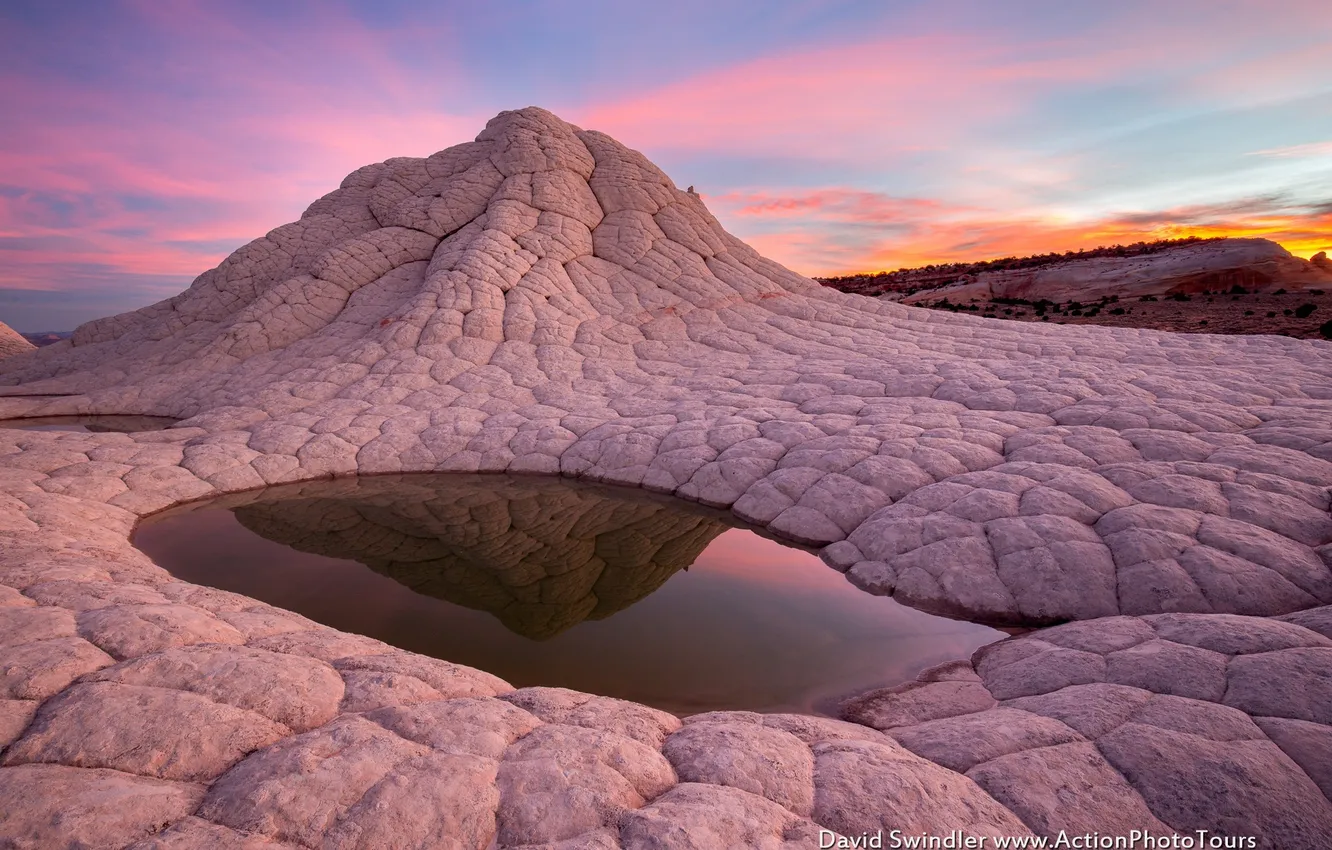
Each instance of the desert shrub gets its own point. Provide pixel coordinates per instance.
(1303, 311)
(1326, 329)
(1271, 314)
(1118, 311)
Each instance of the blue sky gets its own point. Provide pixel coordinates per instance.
(144, 141)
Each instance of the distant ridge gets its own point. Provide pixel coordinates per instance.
(44, 338)
(1164, 267)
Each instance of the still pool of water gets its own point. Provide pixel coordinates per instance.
(122, 424)
(543, 581)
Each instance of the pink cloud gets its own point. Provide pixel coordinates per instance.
(143, 181)
(1313, 149)
(849, 205)
(879, 102)
(881, 98)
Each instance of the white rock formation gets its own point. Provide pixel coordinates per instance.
(545, 300)
(11, 342)
(1257, 265)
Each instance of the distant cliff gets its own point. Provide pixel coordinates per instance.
(1164, 268)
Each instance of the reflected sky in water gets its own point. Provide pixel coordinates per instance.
(549, 582)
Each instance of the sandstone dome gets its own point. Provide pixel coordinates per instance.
(545, 300)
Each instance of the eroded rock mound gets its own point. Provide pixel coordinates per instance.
(536, 236)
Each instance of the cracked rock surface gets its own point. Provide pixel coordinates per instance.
(544, 300)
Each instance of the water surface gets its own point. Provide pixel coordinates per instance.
(543, 581)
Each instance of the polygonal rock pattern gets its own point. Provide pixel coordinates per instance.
(543, 300)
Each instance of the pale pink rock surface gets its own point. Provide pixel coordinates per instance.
(768, 762)
(59, 806)
(559, 705)
(299, 693)
(196, 834)
(1068, 787)
(561, 781)
(917, 702)
(15, 715)
(156, 733)
(544, 300)
(922, 792)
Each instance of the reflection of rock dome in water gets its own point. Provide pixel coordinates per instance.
(542, 555)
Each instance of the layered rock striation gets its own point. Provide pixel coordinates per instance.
(544, 300)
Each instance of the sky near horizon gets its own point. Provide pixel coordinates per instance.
(144, 140)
